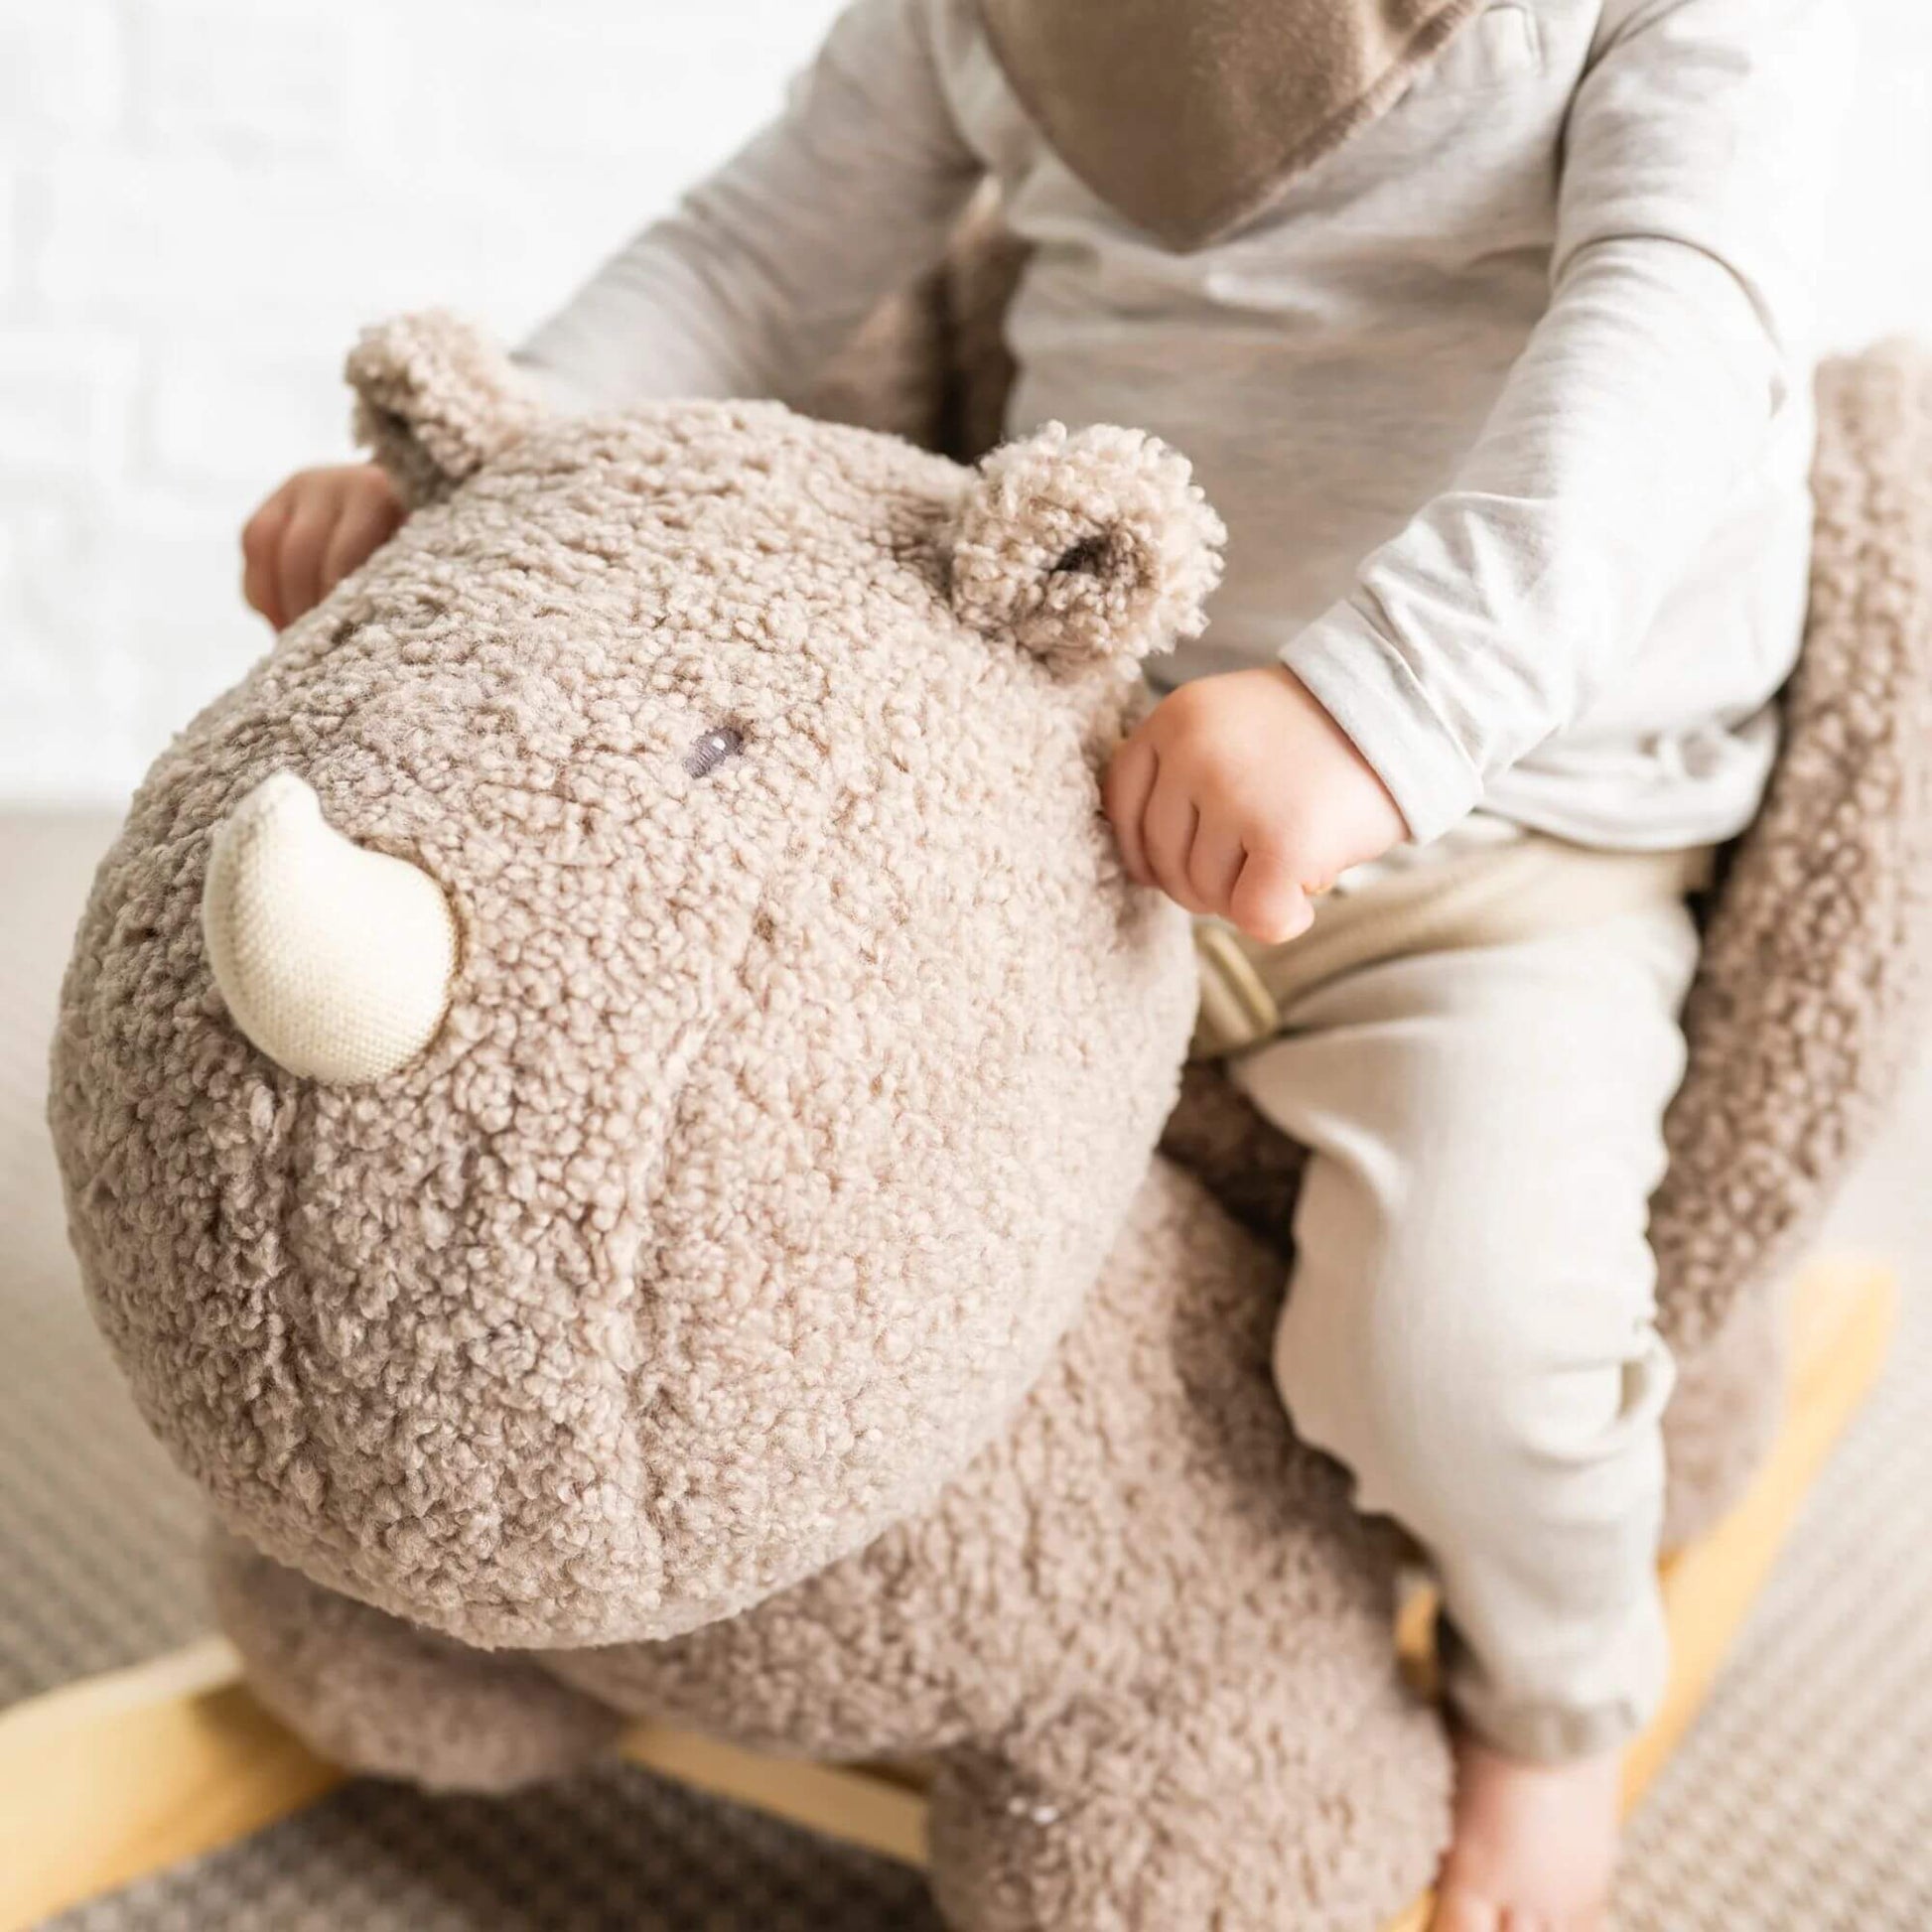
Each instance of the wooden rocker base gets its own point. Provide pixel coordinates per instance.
(104, 1782)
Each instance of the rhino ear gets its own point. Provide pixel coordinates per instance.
(436, 399)
(1084, 547)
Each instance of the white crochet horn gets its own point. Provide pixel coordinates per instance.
(336, 961)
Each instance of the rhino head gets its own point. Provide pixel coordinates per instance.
(593, 1080)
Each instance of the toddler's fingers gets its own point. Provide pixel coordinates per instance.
(1268, 902)
(1124, 793)
(1214, 864)
(1168, 826)
(261, 543)
(365, 526)
(304, 544)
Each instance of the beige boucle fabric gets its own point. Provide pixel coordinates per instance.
(700, 1311)
(1806, 1004)
(1145, 1634)
(1024, 561)
(392, 1699)
(434, 402)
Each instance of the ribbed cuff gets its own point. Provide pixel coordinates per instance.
(1362, 683)
(1638, 1666)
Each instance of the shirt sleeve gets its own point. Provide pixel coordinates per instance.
(1697, 159)
(768, 265)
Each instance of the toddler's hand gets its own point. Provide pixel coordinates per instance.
(307, 537)
(1240, 796)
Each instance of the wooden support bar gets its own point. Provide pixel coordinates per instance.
(106, 1780)
(872, 1809)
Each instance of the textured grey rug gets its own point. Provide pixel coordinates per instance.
(1801, 1803)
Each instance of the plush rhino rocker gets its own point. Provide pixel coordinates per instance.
(607, 1091)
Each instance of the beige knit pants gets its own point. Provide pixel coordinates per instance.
(1468, 1324)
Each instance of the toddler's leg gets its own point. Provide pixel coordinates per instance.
(1468, 1328)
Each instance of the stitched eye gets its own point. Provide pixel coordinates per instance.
(718, 746)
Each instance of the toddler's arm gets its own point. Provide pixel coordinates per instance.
(772, 262)
(1690, 208)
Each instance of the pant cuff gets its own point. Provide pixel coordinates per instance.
(1546, 1736)
(1550, 1731)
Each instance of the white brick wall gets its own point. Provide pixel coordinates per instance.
(200, 201)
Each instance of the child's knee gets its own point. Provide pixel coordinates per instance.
(1376, 1392)
(1461, 1392)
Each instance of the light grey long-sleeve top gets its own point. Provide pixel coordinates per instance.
(1506, 402)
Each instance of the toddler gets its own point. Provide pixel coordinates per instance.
(1484, 326)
